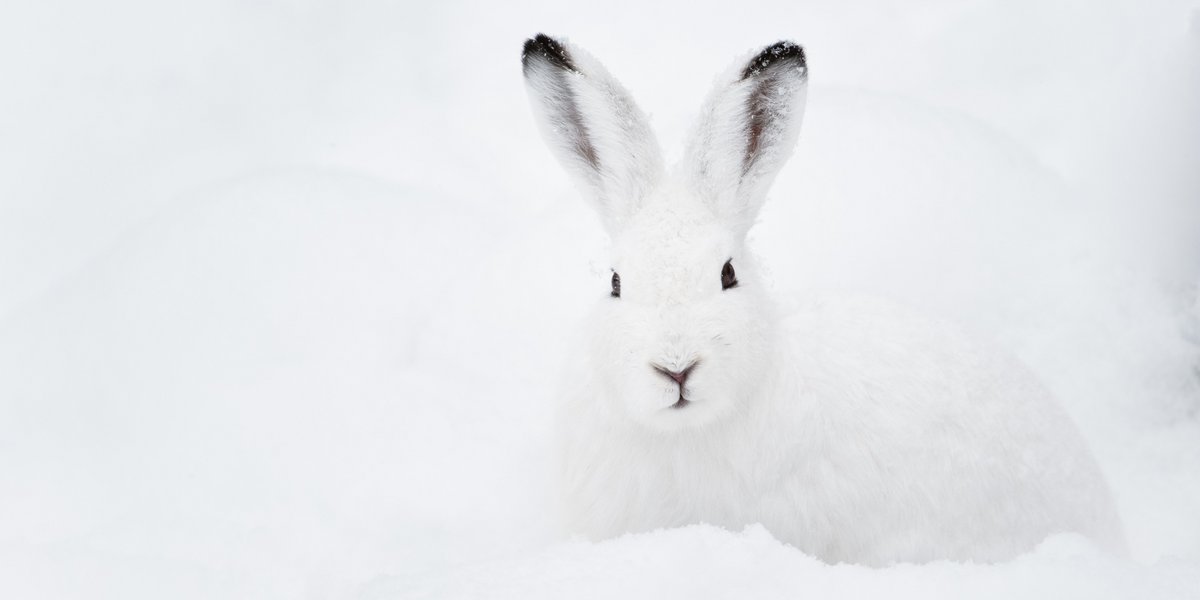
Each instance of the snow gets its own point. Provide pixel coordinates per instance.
(705, 562)
(284, 286)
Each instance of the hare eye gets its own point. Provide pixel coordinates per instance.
(728, 277)
(616, 285)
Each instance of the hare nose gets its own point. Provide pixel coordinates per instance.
(679, 377)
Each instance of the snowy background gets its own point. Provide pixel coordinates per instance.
(283, 285)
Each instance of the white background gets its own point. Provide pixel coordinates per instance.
(284, 285)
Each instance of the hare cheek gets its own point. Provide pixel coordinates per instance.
(644, 400)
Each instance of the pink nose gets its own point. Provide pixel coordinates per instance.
(679, 377)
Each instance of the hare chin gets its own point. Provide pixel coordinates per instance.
(685, 414)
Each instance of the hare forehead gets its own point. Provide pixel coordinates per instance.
(673, 238)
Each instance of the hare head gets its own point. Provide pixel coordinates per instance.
(685, 337)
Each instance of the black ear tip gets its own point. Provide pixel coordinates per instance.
(782, 53)
(542, 47)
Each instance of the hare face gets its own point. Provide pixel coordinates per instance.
(682, 344)
(684, 339)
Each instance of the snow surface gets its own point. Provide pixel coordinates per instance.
(284, 285)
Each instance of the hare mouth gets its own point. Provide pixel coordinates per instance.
(681, 403)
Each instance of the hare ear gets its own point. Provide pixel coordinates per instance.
(747, 129)
(593, 126)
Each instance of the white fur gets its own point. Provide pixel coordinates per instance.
(849, 428)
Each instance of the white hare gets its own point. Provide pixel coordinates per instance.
(849, 429)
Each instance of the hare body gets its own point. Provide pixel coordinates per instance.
(847, 427)
(881, 437)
